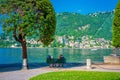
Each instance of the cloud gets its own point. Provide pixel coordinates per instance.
(79, 10)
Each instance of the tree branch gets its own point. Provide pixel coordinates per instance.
(15, 37)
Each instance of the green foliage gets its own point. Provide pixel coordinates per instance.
(29, 17)
(78, 75)
(116, 27)
(95, 24)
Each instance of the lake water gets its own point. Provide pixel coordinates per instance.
(38, 55)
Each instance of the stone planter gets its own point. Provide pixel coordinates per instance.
(112, 59)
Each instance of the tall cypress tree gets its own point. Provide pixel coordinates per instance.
(116, 28)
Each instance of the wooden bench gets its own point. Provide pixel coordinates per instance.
(56, 62)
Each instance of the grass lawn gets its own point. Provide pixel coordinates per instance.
(78, 75)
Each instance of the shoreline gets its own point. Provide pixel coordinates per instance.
(57, 48)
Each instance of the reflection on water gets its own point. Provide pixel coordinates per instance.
(38, 55)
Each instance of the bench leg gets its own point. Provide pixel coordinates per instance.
(51, 65)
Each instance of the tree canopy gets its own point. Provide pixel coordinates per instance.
(29, 18)
(116, 27)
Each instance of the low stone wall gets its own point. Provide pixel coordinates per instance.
(112, 59)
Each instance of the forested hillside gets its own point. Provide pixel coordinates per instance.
(82, 30)
(98, 24)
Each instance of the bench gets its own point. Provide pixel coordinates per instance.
(56, 62)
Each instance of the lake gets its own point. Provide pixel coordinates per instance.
(38, 55)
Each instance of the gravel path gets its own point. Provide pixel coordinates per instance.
(26, 74)
(22, 74)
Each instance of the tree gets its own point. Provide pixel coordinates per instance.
(116, 28)
(29, 18)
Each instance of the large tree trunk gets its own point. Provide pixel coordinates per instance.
(20, 38)
(24, 54)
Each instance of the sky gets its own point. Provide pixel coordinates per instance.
(83, 6)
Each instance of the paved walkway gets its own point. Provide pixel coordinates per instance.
(26, 74)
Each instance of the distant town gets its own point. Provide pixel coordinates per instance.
(84, 42)
(73, 30)
(60, 42)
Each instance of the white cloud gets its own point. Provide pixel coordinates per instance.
(79, 10)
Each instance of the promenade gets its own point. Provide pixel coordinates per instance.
(26, 74)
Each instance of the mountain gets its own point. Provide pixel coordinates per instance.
(97, 24)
